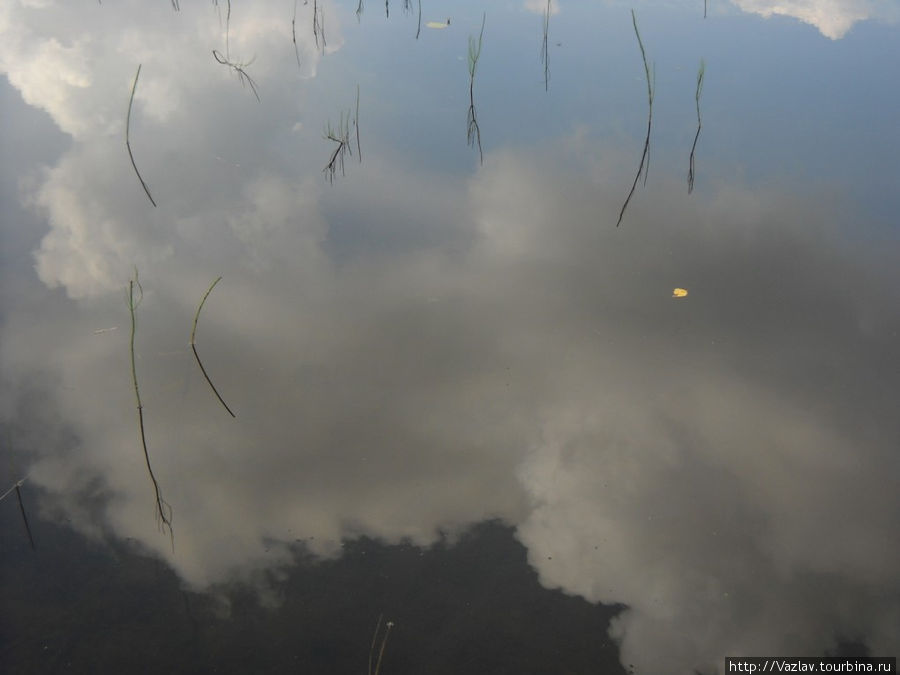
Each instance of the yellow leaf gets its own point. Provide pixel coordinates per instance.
(679, 293)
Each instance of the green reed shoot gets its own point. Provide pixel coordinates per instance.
(194, 347)
(163, 510)
(128, 136)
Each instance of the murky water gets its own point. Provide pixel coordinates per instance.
(464, 400)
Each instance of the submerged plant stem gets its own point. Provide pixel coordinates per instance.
(163, 510)
(194, 348)
(128, 136)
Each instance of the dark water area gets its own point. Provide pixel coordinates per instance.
(468, 605)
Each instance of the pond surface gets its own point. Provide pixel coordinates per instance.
(516, 386)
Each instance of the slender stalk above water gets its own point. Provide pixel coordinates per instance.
(294, 34)
(24, 517)
(238, 68)
(16, 488)
(163, 510)
(341, 136)
(128, 136)
(194, 347)
(356, 127)
(473, 132)
(419, 27)
(644, 166)
(384, 638)
(545, 53)
(700, 74)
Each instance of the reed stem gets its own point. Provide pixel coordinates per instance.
(128, 136)
(163, 510)
(644, 166)
(194, 347)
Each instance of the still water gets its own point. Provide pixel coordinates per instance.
(549, 337)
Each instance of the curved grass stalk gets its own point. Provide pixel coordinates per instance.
(128, 136)
(419, 28)
(163, 510)
(194, 348)
(644, 166)
(700, 74)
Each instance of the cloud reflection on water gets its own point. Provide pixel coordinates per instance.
(724, 464)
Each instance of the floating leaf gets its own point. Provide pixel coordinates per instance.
(679, 293)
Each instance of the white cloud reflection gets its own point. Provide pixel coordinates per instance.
(724, 465)
(833, 18)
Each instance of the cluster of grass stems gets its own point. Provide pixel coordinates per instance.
(319, 26)
(341, 136)
(644, 166)
(473, 132)
(17, 489)
(225, 59)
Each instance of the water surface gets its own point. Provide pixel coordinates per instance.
(464, 400)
